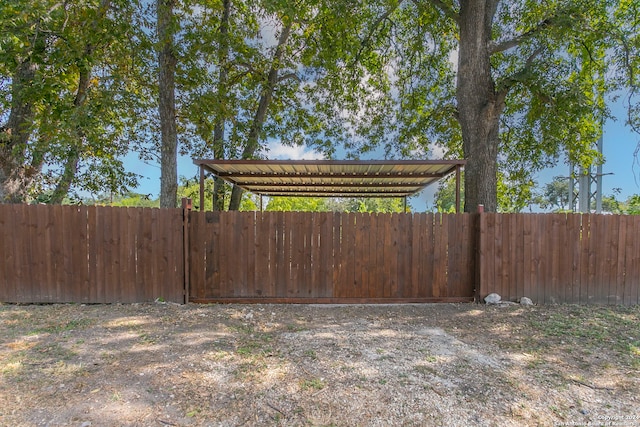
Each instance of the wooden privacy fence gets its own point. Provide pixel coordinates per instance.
(103, 254)
(560, 258)
(330, 257)
(89, 254)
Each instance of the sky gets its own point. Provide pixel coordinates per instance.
(621, 169)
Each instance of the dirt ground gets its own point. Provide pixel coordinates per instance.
(292, 365)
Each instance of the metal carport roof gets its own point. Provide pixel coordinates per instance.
(331, 178)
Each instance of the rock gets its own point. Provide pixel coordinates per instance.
(506, 303)
(526, 301)
(492, 299)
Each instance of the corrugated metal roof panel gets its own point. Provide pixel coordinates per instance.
(347, 178)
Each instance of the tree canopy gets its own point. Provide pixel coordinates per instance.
(511, 86)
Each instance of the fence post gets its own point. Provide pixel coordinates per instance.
(186, 210)
(479, 253)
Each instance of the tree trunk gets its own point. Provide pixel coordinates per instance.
(479, 107)
(218, 129)
(73, 155)
(68, 175)
(15, 175)
(167, 105)
(252, 144)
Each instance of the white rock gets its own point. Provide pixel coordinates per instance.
(526, 301)
(492, 298)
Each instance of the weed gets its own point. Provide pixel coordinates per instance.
(424, 370)
(311, 354)
(314, 383)
(147, 339)
(192, 413)
(57, 328)
(428, 356)
(295, 328)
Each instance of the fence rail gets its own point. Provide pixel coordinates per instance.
(103, 255)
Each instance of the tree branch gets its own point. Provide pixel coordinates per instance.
(517, 40)
(365, 42)
(287, 76)
(445, 8)
(520, 76)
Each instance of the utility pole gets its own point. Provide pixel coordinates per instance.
(585, 180)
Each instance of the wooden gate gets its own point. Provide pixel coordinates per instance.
(303, 257)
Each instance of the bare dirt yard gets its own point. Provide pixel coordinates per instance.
(311, 365)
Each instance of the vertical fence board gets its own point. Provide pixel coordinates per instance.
(518, 271)
(147, 248)
(596, 259)
(126, 278)
(280, 267)
(6, 255)
(510, 264)
(223, 247)
(269, 288)
(296, 244)
(632, 261)
(155, 254)
(99, 244)
(42, 281)
(416, 237)
(326, 255)
(438, 270)
(527, 259)
(555, 253)
(31, 290)
(195, 243)
(618, 297)
(21, 247)
(572, 293)
(312, 260)
(56, 252)
(287, 231)
(272, 246)
(498, 255)
(405, 255)
(378, 271)
(83, 250)
(349, 241)
(537, 274)
(121, 282)
(363, 223)
(584, 258)
(613, 231)
(453, 235)
(251, 252)
(305, 284)
(428, 244)
(468, 265)
(241, 235)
